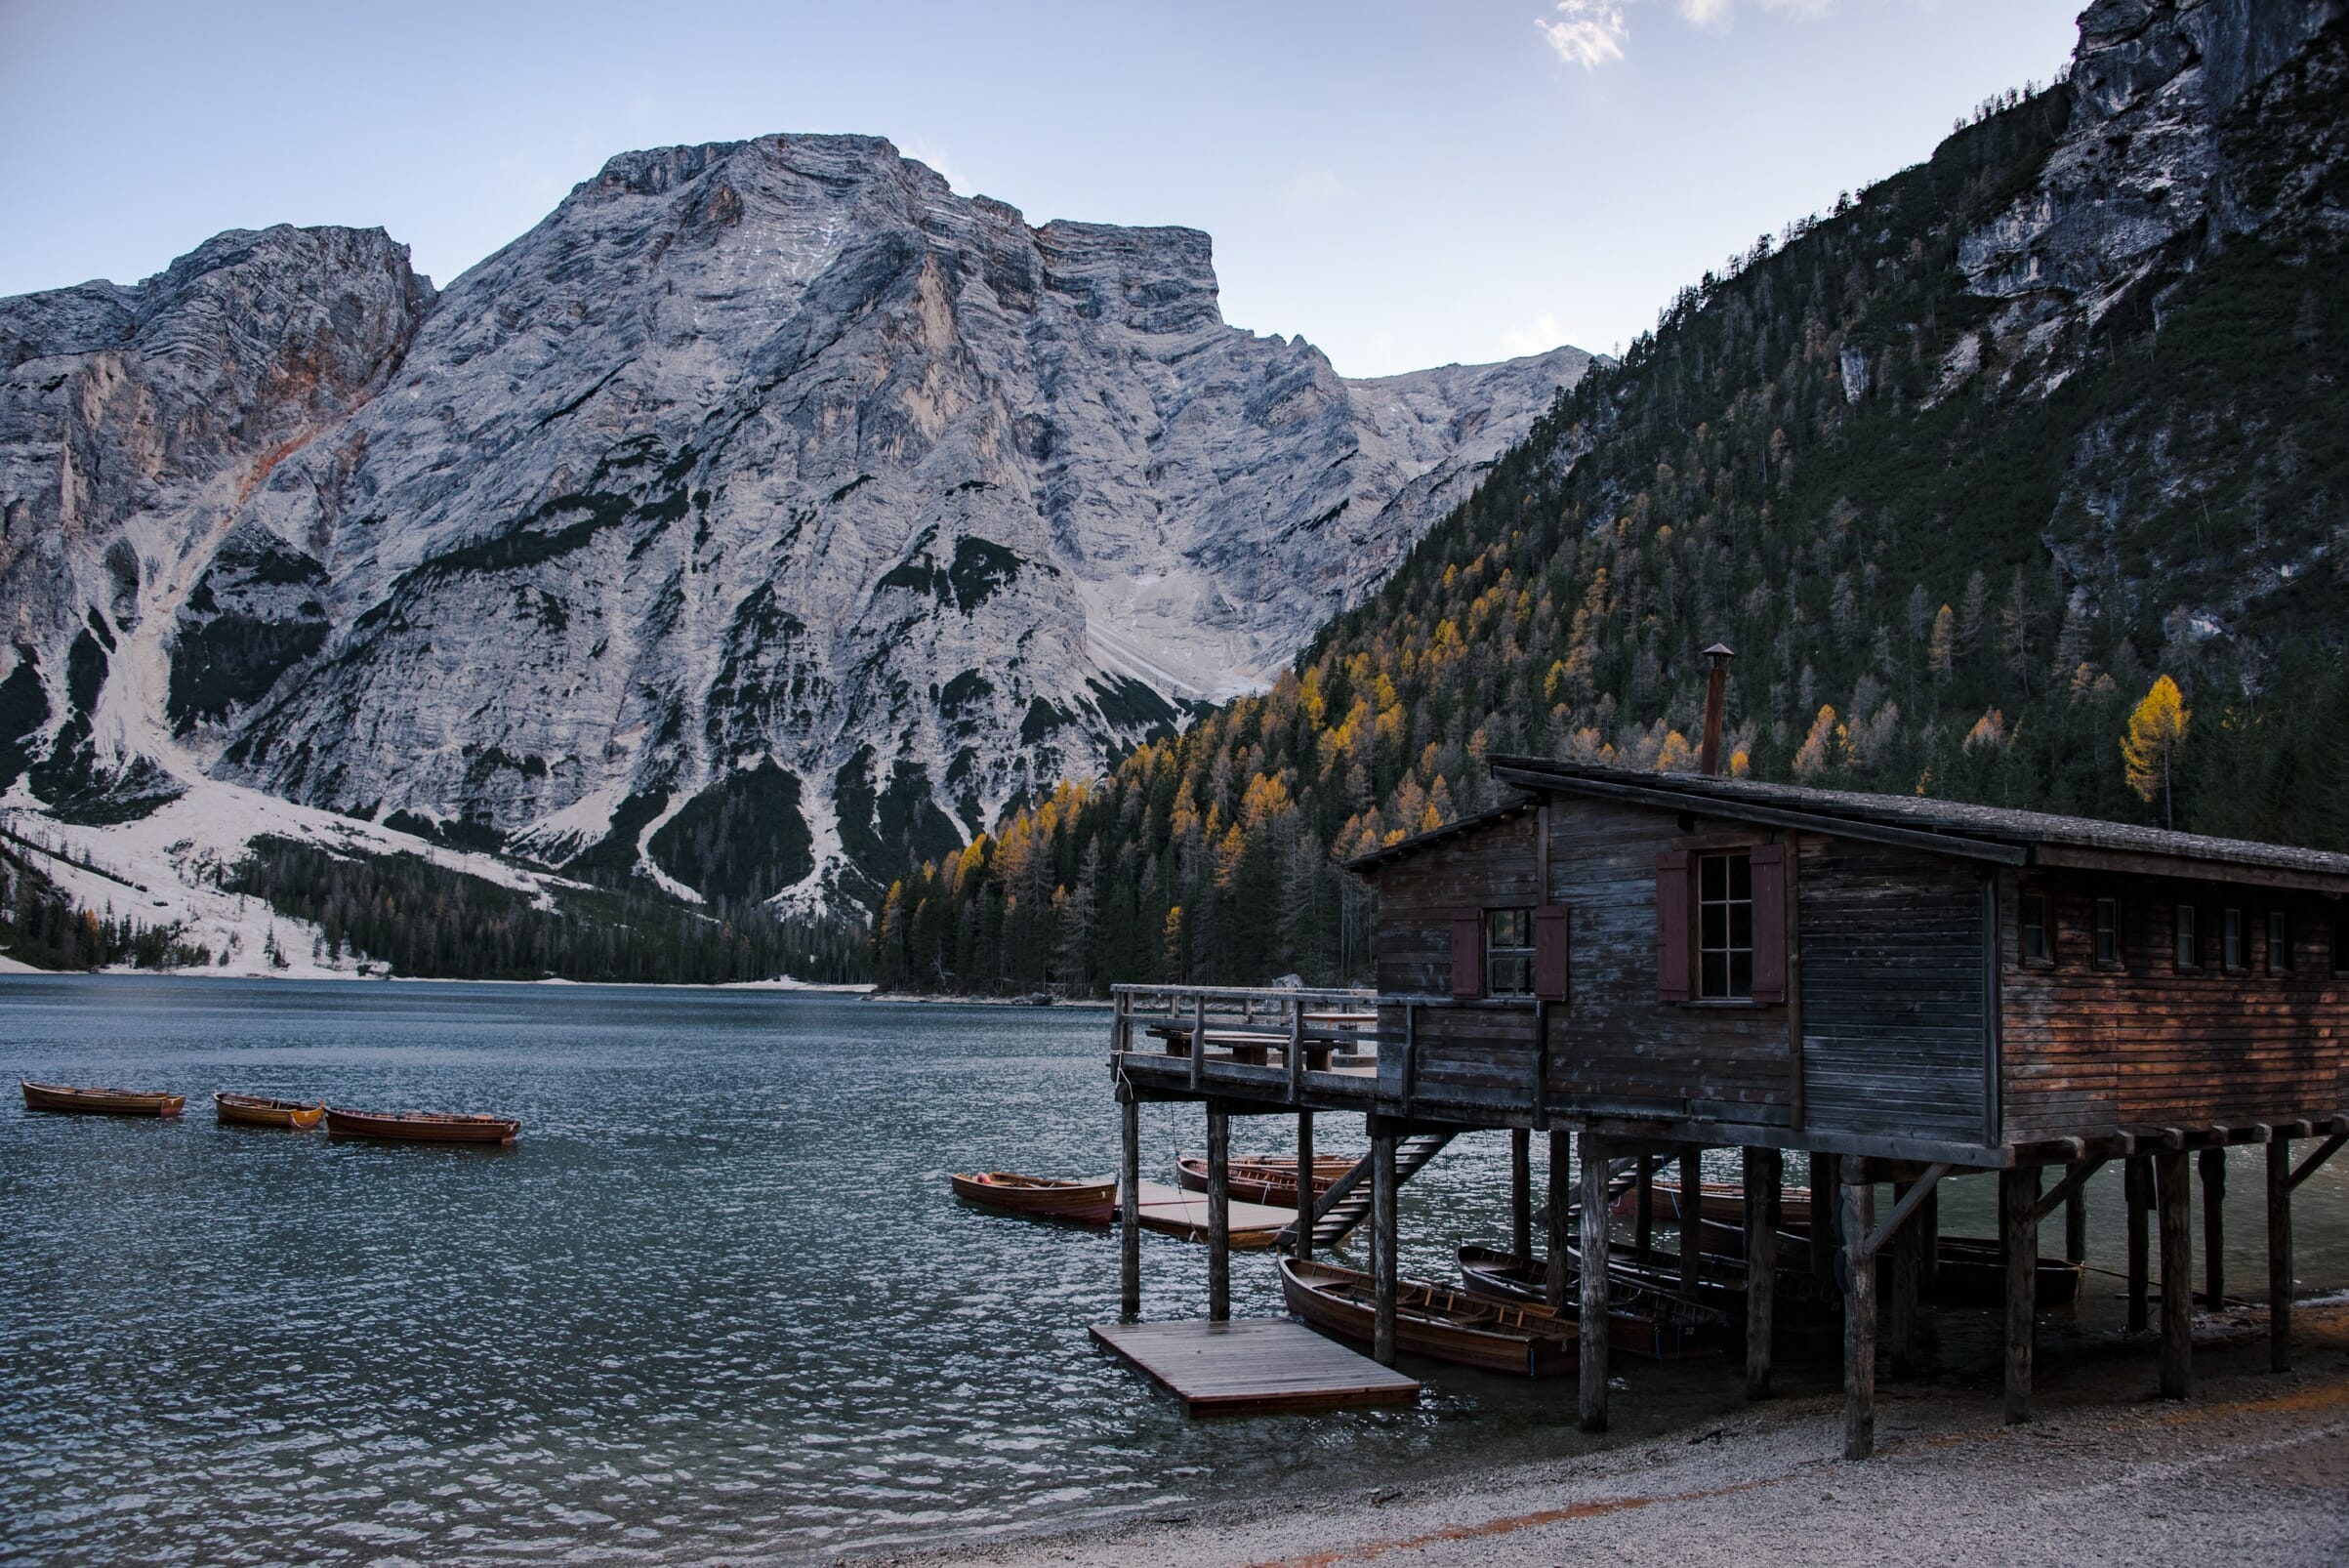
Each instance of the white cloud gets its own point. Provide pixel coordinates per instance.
(1313, 189)
(1541, 336)
(1588, 33)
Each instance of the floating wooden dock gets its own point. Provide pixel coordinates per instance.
(1178, 1213)
(1251, 1366)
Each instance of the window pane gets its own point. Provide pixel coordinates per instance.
(1741, 875)
(1716, 974)
(1714, 925)
(1741, 926)
(2189, 952)
(1741, 972)
(2278, 941)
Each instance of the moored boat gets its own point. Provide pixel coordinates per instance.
(1431, 1321)
(1640, 1322)
(251, 1110)
(1084, 1203)
(1719, 1202)
(1969, 1271)
(421, 1127)
(100, 1101)
(1269, 1179)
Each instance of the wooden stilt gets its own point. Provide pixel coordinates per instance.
(1692, 1212)
(1382, 1222)
(1644, 1236)
(2171, 1180)
(2076, 1227)
(1761, 1266)
(1303, 1245)
(1129, 1200)
(1561, 1205)
(1592, 1348)
(2213, 1164)
(2019, 1239)
(1521, 1195)
(2137, 1180)
(1856, 1200)
(1929, 1247)
(1826, 1205)
(1907, 1358)
(2279, 1253)
(1218, 1213)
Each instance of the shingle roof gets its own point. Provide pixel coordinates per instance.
(1965, 824)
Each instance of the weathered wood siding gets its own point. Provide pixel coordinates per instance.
(1614, 1048)
(2090, 1052)
(1895, 969)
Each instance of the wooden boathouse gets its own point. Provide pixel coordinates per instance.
(1654, 965)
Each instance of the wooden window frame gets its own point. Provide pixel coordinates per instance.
(2234, 941)
(2024, 902)
(2278, 939)
(2097, 930)
(1728, 903)
(2185, 941)
(1523, 953)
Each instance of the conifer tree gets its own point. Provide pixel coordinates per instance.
(2157, 732)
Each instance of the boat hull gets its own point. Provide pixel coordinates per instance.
(1080, 1202)
(1720, 1203)
(246, 1110)
(1640, 1322)
(420, 1127)
(1430, 1321)
(99, 1101)
(1268, 1181)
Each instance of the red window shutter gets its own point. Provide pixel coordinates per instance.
(1467, 954)
(1769, 923)
(1672, 926)
(1550, 953)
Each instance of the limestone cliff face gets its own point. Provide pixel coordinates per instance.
(766, 510)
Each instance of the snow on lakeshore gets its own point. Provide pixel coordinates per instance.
(166, 867)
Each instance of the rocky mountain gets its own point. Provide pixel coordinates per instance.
(766, 514)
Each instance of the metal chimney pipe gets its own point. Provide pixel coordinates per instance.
(1709, 755)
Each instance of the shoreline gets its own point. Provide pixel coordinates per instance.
(2249, 1469)
(14, 966)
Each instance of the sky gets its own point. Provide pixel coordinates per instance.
(1404, 184)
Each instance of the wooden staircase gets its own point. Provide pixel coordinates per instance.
(1347, 1203)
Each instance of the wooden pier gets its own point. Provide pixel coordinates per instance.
(1254, 1365)
(1173, 1212)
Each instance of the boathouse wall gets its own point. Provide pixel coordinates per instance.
(2146, 1040)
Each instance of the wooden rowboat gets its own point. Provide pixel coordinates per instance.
(421, 1127)
(102, 1101)
(1269, 1179)
(1721, 1202)
(1640, 1322)
(1968, 1270)
(1431, 1321)
(1084, 1203)
(250, 1110)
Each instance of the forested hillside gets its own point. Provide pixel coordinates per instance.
(1955, 534)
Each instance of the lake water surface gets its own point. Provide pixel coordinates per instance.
(717, 1304)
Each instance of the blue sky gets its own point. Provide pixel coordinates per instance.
(1403, 184)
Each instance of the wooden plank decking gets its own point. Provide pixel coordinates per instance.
(1253, 1365)
(1177, 1212)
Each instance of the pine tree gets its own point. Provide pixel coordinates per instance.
(2157, 732)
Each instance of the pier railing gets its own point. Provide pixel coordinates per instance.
(1307, 1029)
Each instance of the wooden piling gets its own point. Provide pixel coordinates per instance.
(1561, 1203)
(1855, 1198)
(2075, 1228)
(1692, 1217)
(1643, 1235)
(1129, 1200)
(1763, 1176)
(1592, 1348)
(2280, 1252)
(1521, 1195)
(2171, 1180)
(2213, 1164)
(1906, 1359)
(2019, 1241)
(1382, 1223)
(1825, 1231)
(1303, 1245)
(1218, 1213)
(1928, 1249)
(2137, 1183)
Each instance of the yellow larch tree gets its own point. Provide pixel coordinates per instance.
(2157, 730)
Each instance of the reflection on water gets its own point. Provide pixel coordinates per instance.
(716, 1302)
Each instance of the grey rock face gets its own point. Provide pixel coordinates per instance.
(2143, 167)
(759, 479)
